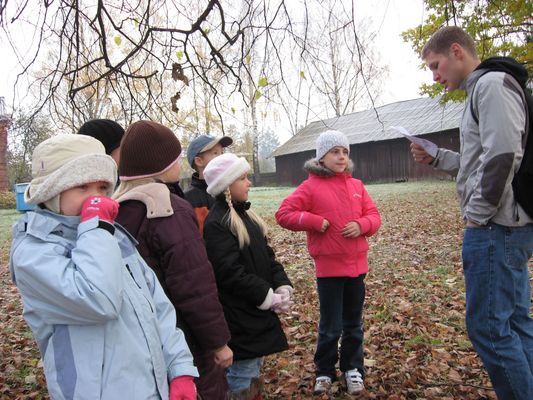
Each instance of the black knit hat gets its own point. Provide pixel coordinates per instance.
(147, 149)
(108, 132)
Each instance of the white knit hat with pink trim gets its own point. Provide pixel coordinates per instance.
(222, 171)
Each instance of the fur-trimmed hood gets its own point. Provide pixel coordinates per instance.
(312, 166)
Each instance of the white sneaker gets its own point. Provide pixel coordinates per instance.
(354, 381)
(322, 384)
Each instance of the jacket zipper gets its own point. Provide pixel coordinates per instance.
(139, 286)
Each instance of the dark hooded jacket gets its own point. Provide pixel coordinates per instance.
(508, 65)
(244, 277)
(200, 200)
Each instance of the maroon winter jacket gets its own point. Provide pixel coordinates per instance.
(170, 243)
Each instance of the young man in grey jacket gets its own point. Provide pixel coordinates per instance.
(498, 238)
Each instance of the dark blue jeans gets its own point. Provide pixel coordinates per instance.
(498, 301)
(341, 317)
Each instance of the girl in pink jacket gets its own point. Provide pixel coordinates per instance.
(338, 214)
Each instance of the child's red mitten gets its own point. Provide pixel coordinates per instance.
(182, 388)
(99, 206)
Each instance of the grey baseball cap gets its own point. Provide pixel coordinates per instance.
(203, 143)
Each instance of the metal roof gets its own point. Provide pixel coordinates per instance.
(418, 116)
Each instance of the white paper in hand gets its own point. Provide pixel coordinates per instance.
(428, 145)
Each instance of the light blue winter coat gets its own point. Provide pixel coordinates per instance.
(103, 324)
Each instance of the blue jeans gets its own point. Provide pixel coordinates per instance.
(498, 300)
(341, 317)
(241, 373)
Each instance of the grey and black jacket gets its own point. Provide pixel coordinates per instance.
(491, 150)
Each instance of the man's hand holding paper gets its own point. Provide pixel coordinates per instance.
(420, 155)
(423, 151)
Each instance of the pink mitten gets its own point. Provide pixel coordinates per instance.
(99, 206)
(182, 388)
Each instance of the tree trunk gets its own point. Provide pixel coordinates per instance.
(257, 172)
(255, 133)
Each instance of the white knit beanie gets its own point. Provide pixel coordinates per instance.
(222, 171)
(328, 140)
(66, 161)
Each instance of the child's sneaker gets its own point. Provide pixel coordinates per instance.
(354, 381)
(322, 384)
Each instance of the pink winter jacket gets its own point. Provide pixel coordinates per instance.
(339, 198)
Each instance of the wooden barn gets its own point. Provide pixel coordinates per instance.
(379, 152)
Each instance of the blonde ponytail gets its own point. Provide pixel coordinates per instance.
(236, 224)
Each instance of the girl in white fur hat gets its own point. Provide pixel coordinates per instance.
(337, 214)
(253, 286)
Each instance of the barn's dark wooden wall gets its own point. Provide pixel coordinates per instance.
(384, 161)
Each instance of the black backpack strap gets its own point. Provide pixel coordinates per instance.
(472, 111)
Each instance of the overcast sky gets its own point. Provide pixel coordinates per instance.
(392, 17)
(389, 18)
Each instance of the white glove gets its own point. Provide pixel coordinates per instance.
(285, 304)
(277, 300)
(285, 289)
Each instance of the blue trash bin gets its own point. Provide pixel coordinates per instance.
(22, 206)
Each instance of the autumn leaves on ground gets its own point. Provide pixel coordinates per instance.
(416, 345)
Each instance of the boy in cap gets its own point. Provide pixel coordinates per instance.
(99, 316)
(199, 153)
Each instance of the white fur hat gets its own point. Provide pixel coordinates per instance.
(222, 171)
(328, 140)
(66, 161)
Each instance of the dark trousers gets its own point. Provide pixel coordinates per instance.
(341, 317)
